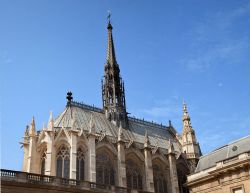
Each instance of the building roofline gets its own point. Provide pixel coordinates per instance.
(224, 146)
(138, 120)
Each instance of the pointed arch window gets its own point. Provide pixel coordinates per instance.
(134, 176)
(105, 173)
(160, 182)
(62, 162)
(80, 164)
(43, 162)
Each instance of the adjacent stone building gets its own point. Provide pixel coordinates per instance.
(225, 170)
(106, 146)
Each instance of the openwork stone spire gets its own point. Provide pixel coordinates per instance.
(187, 127)
(113, 92)
(190, 146)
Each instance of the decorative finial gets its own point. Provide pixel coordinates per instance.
(109, 15)
(109, 20)
(32, 131)
(69, 97)
(51, 122)
(26, 134)
(184, 106)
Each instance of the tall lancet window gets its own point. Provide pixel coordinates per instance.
(160, 183)
(43, 162)
(62, 162)
(134, 177)
(80, 164)
(105, 173)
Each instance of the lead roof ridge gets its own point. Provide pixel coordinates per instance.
(138, 120)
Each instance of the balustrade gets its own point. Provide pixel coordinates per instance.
(24, 177)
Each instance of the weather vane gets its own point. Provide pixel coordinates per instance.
(109, 15)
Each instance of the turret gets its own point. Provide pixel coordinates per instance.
(190, 146)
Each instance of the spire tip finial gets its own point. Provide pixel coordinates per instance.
(109, 20)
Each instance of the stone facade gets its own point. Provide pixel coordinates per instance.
(224, 173)
(106, 146)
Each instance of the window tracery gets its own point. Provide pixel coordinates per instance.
(134, 177)
(160, 182)
(80, 164)
(105, 173)
(62, 162)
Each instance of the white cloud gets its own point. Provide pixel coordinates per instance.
(214, 42)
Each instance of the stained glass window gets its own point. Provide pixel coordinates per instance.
(63, 162)
(160, 183)
(80, 164)
(105, 173)
(134, 177)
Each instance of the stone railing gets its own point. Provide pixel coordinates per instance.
(23, 177)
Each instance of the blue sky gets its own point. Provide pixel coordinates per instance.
(167, 51)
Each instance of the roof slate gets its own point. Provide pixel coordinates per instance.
(228, 151)
(159, 135)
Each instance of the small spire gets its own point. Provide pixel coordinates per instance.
(91, 125)
(26, 133)
(51, 122)
(32, 131)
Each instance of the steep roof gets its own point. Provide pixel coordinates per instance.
(226, 152)
(79, 113)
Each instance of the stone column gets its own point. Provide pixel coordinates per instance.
(173, 170)
(91, 151)
(73, 154)
(149, 170)
(25, 157)
(121, 171)
(50, 166)
(148, 165)
(92, 158)
(31, 162)
(25, 144)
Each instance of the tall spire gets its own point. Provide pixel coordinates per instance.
(113, 92)
(111, 59)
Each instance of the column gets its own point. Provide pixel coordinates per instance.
(173, 172)
(121, 173)
(50, 166)
(31, 162)
(73, 154)
(148, 170)
(92, 158)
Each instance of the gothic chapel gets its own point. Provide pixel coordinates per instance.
(106, 146)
